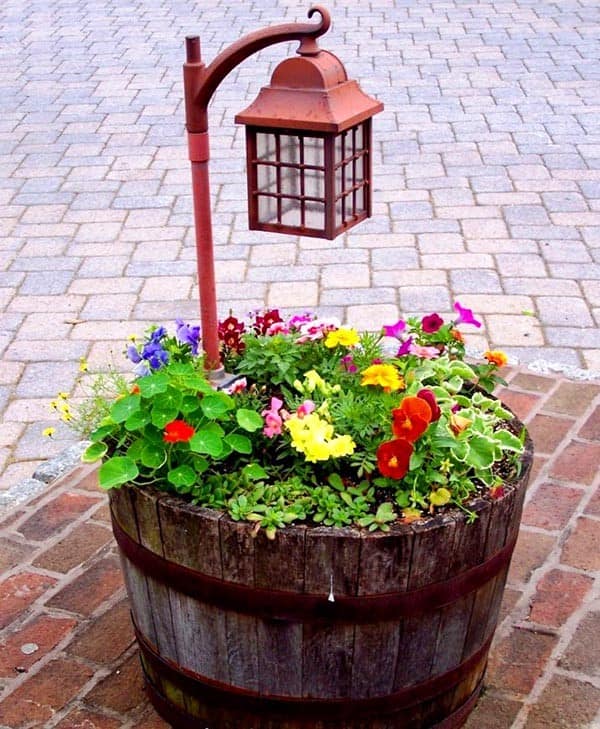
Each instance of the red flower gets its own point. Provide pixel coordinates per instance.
(429, 397)
(431, 323)
(393, 457)
(411, 419)
(262, 323)
(178, 431)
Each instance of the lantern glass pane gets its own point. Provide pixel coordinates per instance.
(313, 151)
(339, 148)
(289, 150)
(314, 215)
(267, 209)
(349, 175)
(290, 181)
(314, 183)
(290, 212)
(266, 177)
(265, 146)
(359, 139)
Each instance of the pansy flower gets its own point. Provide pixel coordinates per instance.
(411, 419)
(393, 458)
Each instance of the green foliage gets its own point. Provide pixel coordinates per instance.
(303, 437)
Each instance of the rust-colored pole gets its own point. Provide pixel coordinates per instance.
(200, 82)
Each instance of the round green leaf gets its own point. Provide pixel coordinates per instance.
(152, 456)
(182, 477)
(239, 443)
(163, 414)
(216, 405)
(152, 385)
(207, 441)
(117, 471)
(249, 420)
(137, 420)
(94, 452)
(123, 408)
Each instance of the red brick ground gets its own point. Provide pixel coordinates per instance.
(67, 654)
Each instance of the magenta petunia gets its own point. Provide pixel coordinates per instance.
(431, 323)
(404, 347)
(465, 316)
(394, 330)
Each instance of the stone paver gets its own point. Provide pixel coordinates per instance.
(486, 182)
(67, 651)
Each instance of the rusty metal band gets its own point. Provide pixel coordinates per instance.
(304, 607)
(220, 695)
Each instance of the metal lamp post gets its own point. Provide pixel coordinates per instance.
(308, 141)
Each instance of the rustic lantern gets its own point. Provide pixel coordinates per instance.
(308, 145)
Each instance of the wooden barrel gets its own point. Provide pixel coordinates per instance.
(321, 628)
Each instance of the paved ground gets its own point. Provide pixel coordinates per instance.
(67, 657)
(486, 182)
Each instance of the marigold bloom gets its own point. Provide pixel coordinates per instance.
(496, 357)
(343, 337)
(431, 323)
(384, 375)
(411, 419)
(178, 431)
(393, 457)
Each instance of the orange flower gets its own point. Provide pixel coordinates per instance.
(496, 357)
(393, 458)
(458, 423)
(411, 419)
(135, 390)
(458, 335)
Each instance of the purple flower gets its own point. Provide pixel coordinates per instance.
(431, 323)
(348, 363)
(465, 316)
(186, 334)
(158, 334)
(404, 348)
(155, 355)
(132, 354)
(394, 330)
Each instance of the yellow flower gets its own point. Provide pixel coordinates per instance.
(54, 404)
(458, 423)
(496, 357)
(131, 338)
(48, 432)
(343, 337)
(83, 365)
(315, 438)
(384, 375)
(66, 417)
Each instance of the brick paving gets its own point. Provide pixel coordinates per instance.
(486, 183)
(67, 655)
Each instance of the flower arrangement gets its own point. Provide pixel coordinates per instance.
(318, 423)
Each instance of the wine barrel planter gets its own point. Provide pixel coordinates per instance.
(321, 628)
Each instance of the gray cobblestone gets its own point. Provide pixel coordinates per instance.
(486, 179)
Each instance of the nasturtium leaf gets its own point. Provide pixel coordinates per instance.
(94, 452)
(135, 449)
(206, 441)
(125, 407)
(249, 420)
(239, 443)
(254, 472)
(189, 404)
(117, 471)
(152, 385)
(137, 420)
(439, 497)
(152, 456)
(215, 405)
(163, 414)
(102, 431)
(200, 464)
(182, 476)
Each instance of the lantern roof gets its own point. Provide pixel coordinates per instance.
(310, 92)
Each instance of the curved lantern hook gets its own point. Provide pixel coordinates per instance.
(308, 45)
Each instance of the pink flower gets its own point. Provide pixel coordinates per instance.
(306, 408)
(431, 323)
(424, 352)
(394, 330)
(236, 386)
(316, 329)
(465, 316)
(348, 363)
(273, 420)
(278, 327)
(405, 348)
